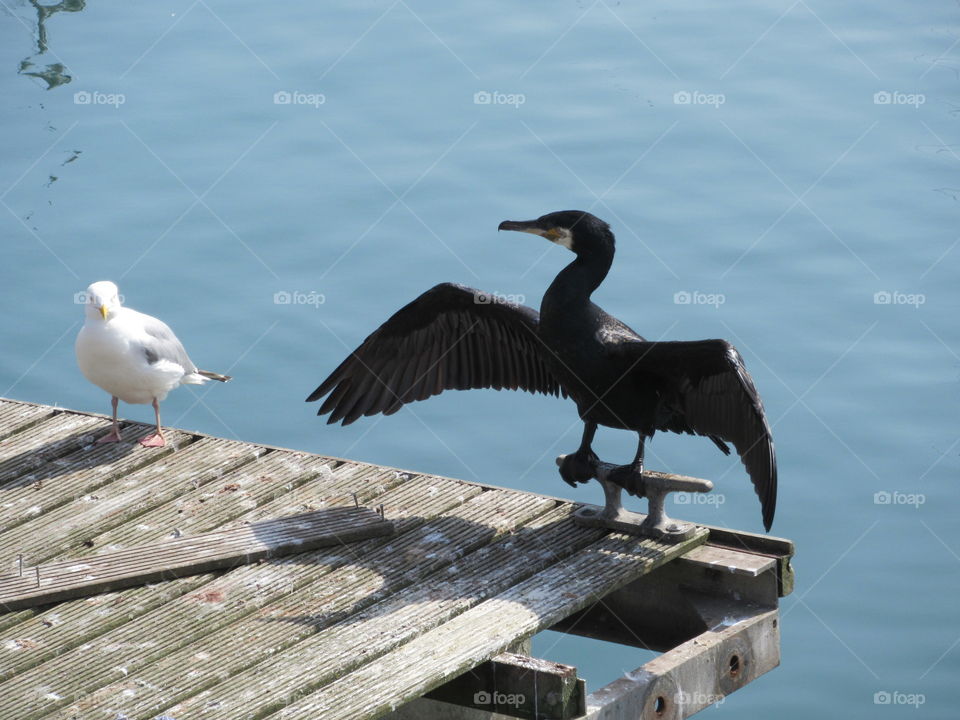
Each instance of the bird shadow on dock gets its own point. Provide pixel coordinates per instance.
(338, 604)
(75, 452)
(465, 561)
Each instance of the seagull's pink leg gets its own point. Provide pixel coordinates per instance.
(114, 434)
(157, 439)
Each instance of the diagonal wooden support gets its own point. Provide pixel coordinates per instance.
(190, 555)
(699, 673)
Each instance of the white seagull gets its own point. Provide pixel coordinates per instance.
(134, 357)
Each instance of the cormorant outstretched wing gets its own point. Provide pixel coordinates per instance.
(705, 389)
(450, 338)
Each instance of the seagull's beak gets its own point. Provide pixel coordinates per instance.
(527, 226)
(104, 311)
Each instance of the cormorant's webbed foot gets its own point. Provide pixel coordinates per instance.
(629, 477)
(579, 467)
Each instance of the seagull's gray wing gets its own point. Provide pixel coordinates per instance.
(162, 344)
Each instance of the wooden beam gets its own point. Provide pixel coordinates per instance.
(666, 607)
(518, 686)
(780, 549)
(55, 582)
(695, 675)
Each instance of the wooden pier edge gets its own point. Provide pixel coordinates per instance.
(725, 621)
(470, 562)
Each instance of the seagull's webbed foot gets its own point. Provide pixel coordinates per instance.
(155, 440)
(111, 437)
(579, 467)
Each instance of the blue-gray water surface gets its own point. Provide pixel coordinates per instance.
(784, 175)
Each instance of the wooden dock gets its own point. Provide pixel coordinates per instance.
(414, 624)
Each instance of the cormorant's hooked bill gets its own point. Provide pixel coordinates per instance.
(448, 339)
(529, 226)
(559, 227)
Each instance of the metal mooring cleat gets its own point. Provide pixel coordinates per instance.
(652, 485)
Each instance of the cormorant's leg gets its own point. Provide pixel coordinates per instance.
(114, 434)
(580, 466)
(629, 476)
(638, 458)
(589, 430)
(157, 439)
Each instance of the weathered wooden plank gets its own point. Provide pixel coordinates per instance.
(79, 473)
(251, 609)
(16, 417)
(25, 453)
(779, 548)
(369, 577)
(361, 478)
(487, 629)
(283, 471)
(75, 522)
(211, 505)
(68, 625)
(190, 555)
(335, 651)
(45, 633)
(726, 560)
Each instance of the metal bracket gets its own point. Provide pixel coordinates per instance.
(652, 485)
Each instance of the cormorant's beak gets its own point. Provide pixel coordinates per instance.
(103, 311)
(527, 226)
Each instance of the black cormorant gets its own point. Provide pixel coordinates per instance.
(453, 337)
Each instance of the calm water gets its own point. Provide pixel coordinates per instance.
(777, 164)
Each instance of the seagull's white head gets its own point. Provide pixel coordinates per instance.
(103, 300)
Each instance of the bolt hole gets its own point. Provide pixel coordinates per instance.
(734, 665)
(774, 622)
(659, 705)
